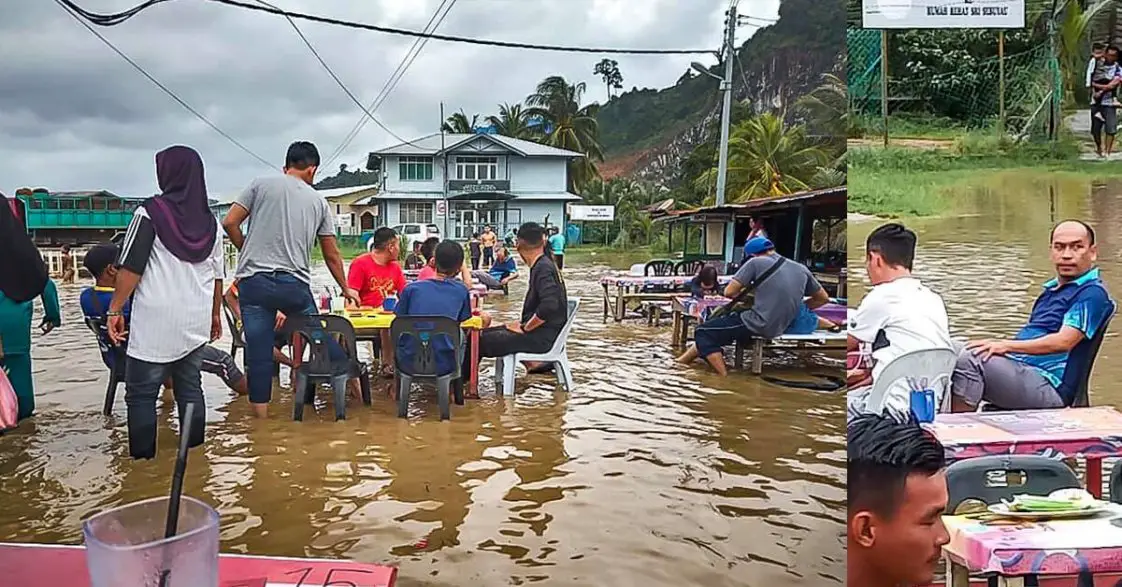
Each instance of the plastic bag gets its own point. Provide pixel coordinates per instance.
(9, 404)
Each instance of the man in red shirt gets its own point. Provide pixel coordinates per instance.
(376, 275)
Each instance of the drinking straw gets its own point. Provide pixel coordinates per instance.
(177, 482)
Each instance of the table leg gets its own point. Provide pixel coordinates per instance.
(1095, 476)
(473, 384)
(620, 306)
(738, 355)
(957, 575)
(607, 301)
(757, 356)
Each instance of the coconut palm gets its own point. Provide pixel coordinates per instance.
(828, 105)
(459, 123)
(569, 125)
(767, 159)
(512, 122)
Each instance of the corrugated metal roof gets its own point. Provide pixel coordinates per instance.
(336, 192)
(87, 194)
(431, 145)
(757, 204)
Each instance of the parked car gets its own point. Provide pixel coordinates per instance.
(411, 233)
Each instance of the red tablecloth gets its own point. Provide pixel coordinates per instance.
(50, 565)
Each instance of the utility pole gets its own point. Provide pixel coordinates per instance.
(726, 106)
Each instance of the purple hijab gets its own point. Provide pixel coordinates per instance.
(181, 213)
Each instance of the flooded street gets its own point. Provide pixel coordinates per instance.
(646, 474)
(988, 257)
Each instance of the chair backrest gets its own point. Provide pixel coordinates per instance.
(934, 365)
(315, 331)
(417, 341)
(232, 323)
(1077, 373)
(988, 479)
(659, 267)
(1116, 483)
(689, 267)
(563, 336)
(101, 330)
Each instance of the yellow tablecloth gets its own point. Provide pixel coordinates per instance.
(379, 319)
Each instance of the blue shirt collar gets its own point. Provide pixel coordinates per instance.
(1091, 275)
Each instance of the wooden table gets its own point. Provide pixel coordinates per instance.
(1015, 549)
(54, 565)
(838, 279)
(649, 288)
(369, 323)
(1091, 433)
(688, 309)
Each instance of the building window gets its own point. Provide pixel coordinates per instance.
(477, 168)
(415, 168)
(415, 213)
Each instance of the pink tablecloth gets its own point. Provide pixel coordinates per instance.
(1058, 547)
(1070, 432)
(50, 565)
(700, 308)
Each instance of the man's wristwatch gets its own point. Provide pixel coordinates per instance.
(114, 313)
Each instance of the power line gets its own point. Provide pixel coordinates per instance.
(99, 18)
(395, 77)
(335, 77)
(65, 6)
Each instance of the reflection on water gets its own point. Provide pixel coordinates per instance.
(646, 474)
(989, 258)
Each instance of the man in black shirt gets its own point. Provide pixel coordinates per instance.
(545, 309)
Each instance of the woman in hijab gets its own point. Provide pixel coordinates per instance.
(172, 260)
(23, 277)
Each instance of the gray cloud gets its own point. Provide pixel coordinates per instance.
(73, 115)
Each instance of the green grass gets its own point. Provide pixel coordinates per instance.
(898, 181)
(906, 126)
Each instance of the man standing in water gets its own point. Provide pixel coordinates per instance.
(286, 218)
(896, 494)
(487, 240)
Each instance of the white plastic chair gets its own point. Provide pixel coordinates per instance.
(506, 366)
(935, 365)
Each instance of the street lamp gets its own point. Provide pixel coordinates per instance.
(702, 69)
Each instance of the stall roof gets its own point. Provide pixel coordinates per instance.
(823, 197)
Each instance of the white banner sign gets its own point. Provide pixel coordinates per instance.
(344, 220)
(943, 14)
(592, 213)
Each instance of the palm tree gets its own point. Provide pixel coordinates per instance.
(767, 159)
(570, 126)
(512, 122)
(828, 105)
(459, 123)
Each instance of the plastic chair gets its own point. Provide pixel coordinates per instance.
(506, 366)
(935, 365)
(689, 268)
(235, 330)
(318, 331)
(1082, 374)
(117, 371)
(986, 479)
(660, 267)
(425, 331)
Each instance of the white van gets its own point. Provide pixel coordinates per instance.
(411, 233)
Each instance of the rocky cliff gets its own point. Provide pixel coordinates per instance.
(648, 133)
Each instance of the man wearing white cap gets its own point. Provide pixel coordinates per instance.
(779, 286)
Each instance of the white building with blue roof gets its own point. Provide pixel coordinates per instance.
(463, 182)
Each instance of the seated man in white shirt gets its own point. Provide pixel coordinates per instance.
(898, 315)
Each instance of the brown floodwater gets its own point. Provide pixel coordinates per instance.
(989, 256)
(646, 474)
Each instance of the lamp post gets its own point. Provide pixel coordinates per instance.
(726, 105)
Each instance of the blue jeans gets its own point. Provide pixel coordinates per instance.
(142, 386)
(261, 296)
(714, 334)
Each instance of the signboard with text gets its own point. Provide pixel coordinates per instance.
(469, 186)
(592, 213)
(441, 208)
(943, 14)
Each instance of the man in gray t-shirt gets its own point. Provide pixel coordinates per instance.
(286, 218)
(778, 302)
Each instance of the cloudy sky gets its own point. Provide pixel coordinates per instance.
(74, 115)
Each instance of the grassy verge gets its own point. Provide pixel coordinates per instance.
(916, 182)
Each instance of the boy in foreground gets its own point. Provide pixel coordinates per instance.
(441, 295)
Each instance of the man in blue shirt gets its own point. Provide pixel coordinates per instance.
(1030, 372)
(557, 245)
(442, 295)
(500, 273)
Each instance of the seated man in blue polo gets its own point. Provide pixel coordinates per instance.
(1030, 371)
(778, 308)
(501, 272)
